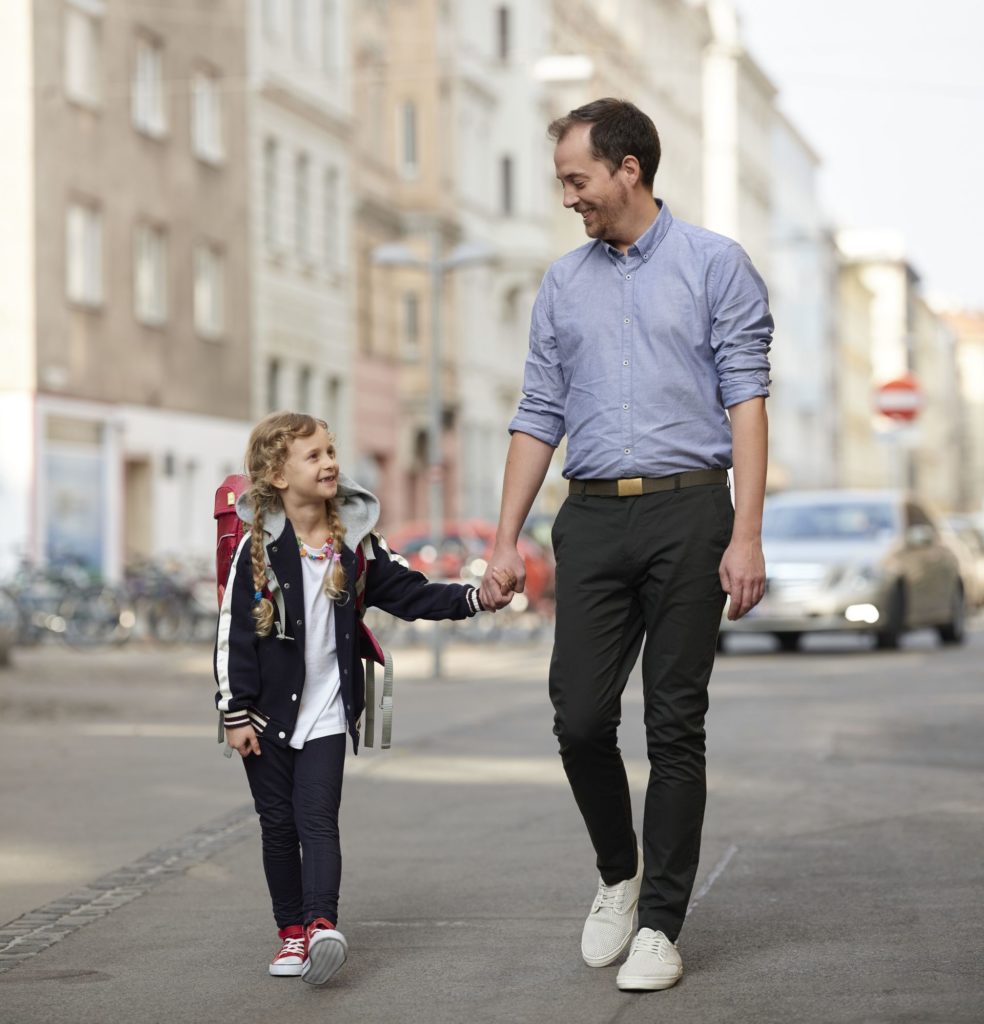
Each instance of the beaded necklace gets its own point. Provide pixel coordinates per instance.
(316, 554)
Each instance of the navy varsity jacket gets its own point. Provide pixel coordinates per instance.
(261, 679)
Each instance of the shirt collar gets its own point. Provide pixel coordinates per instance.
(648, 242)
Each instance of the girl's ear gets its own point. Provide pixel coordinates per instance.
(278, 480)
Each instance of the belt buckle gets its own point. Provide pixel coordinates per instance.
(630, 487)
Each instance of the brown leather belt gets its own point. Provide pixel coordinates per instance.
(648, 485)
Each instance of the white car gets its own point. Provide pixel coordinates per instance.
(869, 561)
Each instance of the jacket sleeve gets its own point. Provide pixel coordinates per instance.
(408, 594)
(236, 663)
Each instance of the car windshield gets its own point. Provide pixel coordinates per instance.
(839, 520)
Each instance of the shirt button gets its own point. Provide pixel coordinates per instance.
(645, 257)
(625, 362)
(625, 405)
(344, 671)
(293, 696)
(627, 450)
(274, 549)
(628, 277)
(282, 735)
(286, 586)
(346, 636)
(300, 622)
(626, 321)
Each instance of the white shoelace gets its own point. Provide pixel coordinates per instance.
(651, 943)
(292, 947)
(609, 897)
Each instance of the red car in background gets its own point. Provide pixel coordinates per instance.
(464, 552)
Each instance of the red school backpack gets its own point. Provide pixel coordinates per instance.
(230, 530)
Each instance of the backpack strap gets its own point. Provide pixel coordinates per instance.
(385, 703)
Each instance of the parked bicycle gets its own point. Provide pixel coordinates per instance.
(66, 600)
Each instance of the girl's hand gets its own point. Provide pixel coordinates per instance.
(243, 740)
(506, 579)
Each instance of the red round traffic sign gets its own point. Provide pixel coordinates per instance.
(899, 399)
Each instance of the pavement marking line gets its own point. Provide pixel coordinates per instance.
(715, 874)
(37, 930)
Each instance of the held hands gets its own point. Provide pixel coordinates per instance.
(505, 576)
(742, 573)
(243, 740)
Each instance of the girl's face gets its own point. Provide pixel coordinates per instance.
(311, 470)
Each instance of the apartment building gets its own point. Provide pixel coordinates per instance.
(908, 337)
(125, 377)
(802, 282)
(300, 141)
(739, 125)
(967, 327)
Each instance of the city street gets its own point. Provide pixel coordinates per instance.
(840, 880)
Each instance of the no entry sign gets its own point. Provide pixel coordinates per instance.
(899, 399)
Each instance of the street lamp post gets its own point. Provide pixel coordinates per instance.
(396, 254)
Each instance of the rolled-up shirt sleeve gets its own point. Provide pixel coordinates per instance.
(741, 326)
(541, 409)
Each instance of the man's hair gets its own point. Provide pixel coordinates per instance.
(618, 129)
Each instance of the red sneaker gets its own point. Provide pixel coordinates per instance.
(327, 951)
(290, 961)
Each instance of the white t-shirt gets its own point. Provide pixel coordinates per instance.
(322, 712)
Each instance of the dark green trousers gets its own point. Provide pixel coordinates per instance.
(639, 572)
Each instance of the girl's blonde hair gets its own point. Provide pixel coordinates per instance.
(266, 454)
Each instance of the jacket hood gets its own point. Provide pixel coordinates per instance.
(358, 508)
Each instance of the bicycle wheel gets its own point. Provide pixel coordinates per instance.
(99, 615)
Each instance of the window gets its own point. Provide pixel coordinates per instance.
(150, 275)
(331, 220)
(411, 326)
(409, 147)
(270, 192)
(502, 32)
(301, 29)
(82, 55)
(206, 117)
(272, 15)
(209, 295)
(273, 385)
(333, 402)
(330, 36)
(83, 252)
(302, 206)
(506, 185)
(148, 88)
(304, 389)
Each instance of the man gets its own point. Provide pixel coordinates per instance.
(649, 350)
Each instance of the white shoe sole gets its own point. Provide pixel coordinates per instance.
(604, 961)
(286, 970)
(644, 984)
(325, 956)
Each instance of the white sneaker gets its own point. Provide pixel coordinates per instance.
(611, 922)
(654, 963)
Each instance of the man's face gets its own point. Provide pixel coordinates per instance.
(590, 189)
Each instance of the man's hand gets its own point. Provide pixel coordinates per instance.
(243, 740)
(505, 576)
(742, 575)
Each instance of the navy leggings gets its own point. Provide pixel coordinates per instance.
(297, 794)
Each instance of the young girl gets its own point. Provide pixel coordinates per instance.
(290, 690)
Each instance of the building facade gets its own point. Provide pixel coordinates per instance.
(300, 134)
(125, 370)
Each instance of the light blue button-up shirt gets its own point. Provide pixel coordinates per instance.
(636, 357)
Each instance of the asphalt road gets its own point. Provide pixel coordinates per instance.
(840, 881)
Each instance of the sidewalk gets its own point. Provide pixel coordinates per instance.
(840, 878)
